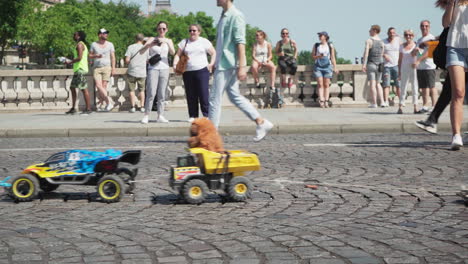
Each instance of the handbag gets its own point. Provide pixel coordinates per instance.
(440, 52)
(381, 67)
(183, 60)
(154, 59)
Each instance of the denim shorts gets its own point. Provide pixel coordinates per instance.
(457, 57)
(326, 72)
(373, 73)
(390, 73)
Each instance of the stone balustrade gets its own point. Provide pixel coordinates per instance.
(49, 89)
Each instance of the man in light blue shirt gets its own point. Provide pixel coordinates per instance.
(230, 68)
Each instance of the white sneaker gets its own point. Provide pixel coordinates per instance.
(142, 109)
(161, 119)
(262, 130)
(190, 120)
(145, 119)
(372, 106)
(132, 110)
(457, 142)
(109, 107)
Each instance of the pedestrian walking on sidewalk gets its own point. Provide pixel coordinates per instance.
(456, 16)
(80, 69)
(158, 73)
(407, 72)
(373, 64)
(197, 74)
(323, 54)
(230, 67)
(103, 53)
(136, 60)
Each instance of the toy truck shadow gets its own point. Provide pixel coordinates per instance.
(204, 170)
(78, 167)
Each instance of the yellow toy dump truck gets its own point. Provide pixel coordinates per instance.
(205, 170)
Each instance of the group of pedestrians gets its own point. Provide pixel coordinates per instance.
(405, 62)
(413, 64)
(148, 69)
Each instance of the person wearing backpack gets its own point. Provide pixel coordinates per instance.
(323, 54)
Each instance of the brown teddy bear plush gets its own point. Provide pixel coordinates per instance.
(203, 134)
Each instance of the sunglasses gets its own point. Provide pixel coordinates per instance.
(285, 33)
(408, 35)
(192, 30)
(163, 29)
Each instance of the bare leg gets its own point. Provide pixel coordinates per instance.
(132, 98)
(326, 91)
(73, 92)
(320, 89)
(373, 92)
(457, 76)
(380, 92)
(434, 94)
(254, 70)
(87, 101)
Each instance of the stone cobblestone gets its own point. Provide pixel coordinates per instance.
(380, 198)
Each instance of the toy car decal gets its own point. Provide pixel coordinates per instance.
(72, 163)
(4, 182)
(181, 173)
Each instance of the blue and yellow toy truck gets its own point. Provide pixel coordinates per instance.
(78, 167)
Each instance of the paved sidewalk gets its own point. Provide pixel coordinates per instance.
(287, 121)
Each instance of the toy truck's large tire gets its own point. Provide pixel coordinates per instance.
(24, 188)
(111, 188)
(239, 189)
(129, 173)
(194, 191)
(47, 186)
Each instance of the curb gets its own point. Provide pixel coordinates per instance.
(279, 129)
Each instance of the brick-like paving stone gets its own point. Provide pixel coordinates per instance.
(380, 198)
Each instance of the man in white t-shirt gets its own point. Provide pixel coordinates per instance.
(391, 56)
(426, 67)
(136, 59)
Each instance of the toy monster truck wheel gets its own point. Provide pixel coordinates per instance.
(239, 189)
(111, 188)
(47, 186)
(194, 191)
(129, 173)
(24, 188)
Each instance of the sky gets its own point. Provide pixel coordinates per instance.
(346, 21)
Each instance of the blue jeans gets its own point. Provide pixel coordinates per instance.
(227, 81)
(457, 57)
(390, 73)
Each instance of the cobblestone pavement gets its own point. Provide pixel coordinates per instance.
(383, 198)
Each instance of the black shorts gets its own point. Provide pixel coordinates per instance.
(426, 78)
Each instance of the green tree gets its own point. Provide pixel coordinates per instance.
(9, 11)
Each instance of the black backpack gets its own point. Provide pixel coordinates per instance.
(440, 52)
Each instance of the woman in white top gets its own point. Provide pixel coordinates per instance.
(261, 57)
(456, 16)
(197, 74)
(158, 74)
(406, 71)
(323, 54)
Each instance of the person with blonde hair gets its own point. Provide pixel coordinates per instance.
(407, 73)
(456, 16)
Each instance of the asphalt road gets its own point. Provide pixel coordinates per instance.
(380, 199)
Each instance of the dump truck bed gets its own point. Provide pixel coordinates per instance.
(239, 161)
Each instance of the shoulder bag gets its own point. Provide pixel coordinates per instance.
(183, 60)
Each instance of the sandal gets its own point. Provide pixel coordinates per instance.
(322, 103)
(327, 104)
